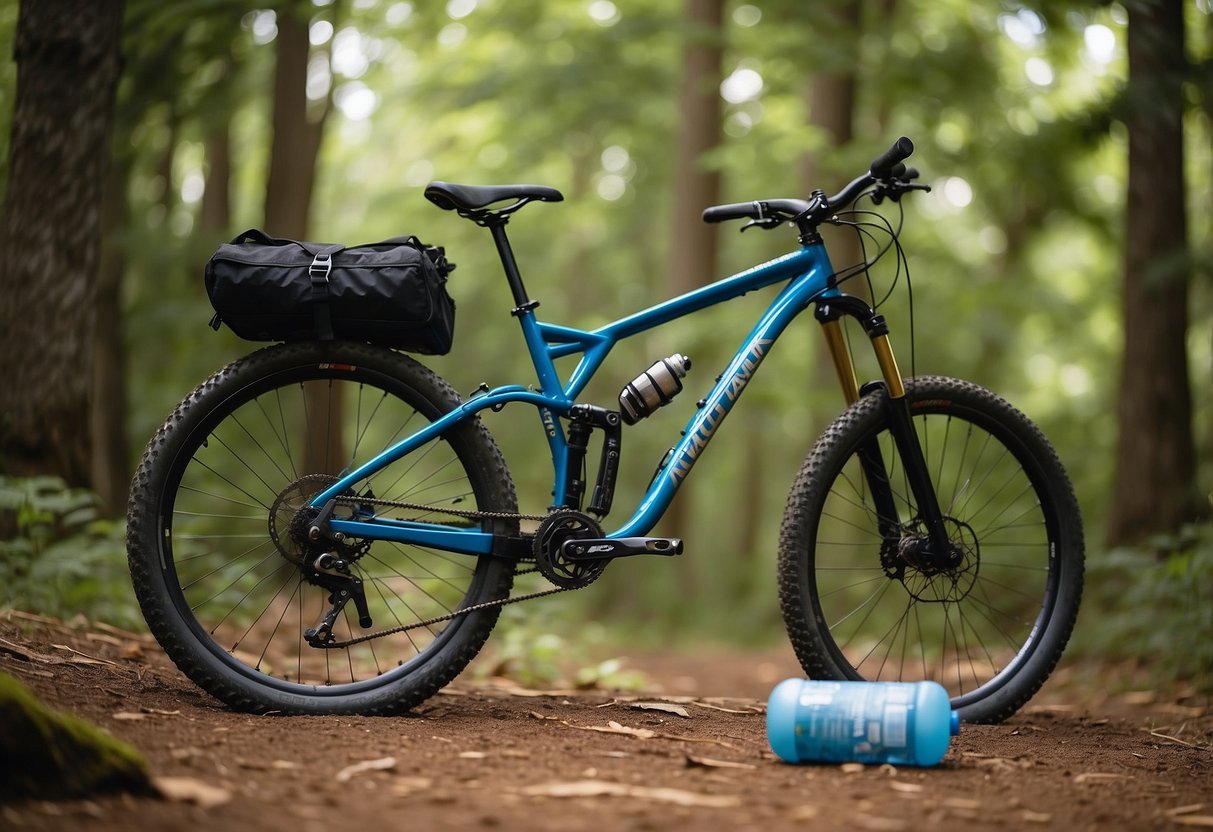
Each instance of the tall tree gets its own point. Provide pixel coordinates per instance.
(1155, 456)
(294, 152)
(692, 253)
(68, 54)
(109, 472)
(296, 131)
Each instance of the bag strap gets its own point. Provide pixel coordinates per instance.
(318, 273)
(256, 235)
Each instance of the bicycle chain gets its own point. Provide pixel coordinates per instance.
(438, 619)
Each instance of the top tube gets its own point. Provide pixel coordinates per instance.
(553, 342)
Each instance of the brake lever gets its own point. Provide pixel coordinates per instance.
(766, 222)
(896, 189)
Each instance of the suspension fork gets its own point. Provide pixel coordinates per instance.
(901, 425)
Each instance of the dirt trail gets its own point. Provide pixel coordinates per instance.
(689, 754)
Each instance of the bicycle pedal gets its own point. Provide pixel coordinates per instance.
(599, 548)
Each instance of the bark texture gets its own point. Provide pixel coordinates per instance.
(68, 55)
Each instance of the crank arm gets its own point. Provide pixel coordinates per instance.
(597, 549)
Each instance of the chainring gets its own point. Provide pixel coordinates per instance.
(553, 532)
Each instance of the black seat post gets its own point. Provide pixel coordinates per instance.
(521, 302)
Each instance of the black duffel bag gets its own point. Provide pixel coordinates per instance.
(391, 293)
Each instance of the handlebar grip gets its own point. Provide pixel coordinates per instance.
(733, 211)
(882, 167)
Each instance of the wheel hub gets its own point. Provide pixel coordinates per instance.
(930, 576)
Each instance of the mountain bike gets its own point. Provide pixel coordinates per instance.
(328, 527)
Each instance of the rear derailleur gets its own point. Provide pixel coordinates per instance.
(332, 572)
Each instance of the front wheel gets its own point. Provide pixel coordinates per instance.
(218, 542)
(860, 596)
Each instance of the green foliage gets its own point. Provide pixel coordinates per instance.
(1015, 255)
(57, 557)
(539, 652)
(1154, 608)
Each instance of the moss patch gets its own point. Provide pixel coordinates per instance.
(50, 755)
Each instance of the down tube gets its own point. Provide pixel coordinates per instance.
(791, 302)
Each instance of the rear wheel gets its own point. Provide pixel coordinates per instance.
(860, 599)
(218, 518)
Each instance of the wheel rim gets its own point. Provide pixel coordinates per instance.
(228, 561)
(891, 616)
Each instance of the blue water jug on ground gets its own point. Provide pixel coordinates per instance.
(902, 723)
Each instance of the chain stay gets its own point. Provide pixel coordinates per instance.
(438, 619)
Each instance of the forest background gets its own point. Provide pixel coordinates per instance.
(1063, 257)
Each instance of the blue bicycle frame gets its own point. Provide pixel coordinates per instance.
(807, 271)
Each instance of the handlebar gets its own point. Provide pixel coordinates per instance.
(882, 167)
(769, 213)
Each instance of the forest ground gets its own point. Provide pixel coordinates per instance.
(493, 755)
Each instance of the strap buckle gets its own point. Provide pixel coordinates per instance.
(321, 266)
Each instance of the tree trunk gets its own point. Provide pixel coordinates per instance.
(1155, 459)
(296, 142)
(215, 212)
(288, 198)
(830, 103)
(68, 55)
(830, 100)
(111, 474)
(692, 256)
(691, 261)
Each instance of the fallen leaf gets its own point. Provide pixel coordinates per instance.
(601, 788)
(473, 755)
(667, 707)
(284, 765)
(1035, 817)
(961, 803)
(1099, 776)
(908, 788)
(128, 716)
(19, 652)
(382, 764)
(645, 734)
(757, 709)
(1186, 810)
(851, 768)
(405, 786)
(1003, 764)
(1193, 820)
(189, 790)
(710, 763)
(877, 824)
(81, 658)
(158, 711)
(613, 727)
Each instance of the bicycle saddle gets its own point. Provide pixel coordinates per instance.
(451, 197)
